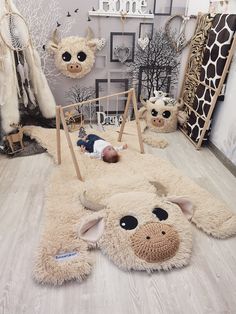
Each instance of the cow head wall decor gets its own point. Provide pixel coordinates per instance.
(74, 56)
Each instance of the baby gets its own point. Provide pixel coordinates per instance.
(97, 147)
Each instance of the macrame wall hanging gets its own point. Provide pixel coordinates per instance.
(15, 35)
(22, 82)
(210, 55)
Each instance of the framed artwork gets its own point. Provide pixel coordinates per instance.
(114, 105)
(100, 62)
(122, 46)
(153, 78)
(145, 29)
(162, 7)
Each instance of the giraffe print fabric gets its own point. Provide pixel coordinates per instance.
(196, 57)
(215, 55)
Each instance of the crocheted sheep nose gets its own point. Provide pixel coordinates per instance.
(159, 122)
(74, 67)
(155, 242)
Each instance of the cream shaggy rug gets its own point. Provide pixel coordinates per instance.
(131, 209)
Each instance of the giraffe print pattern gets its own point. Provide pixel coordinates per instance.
(214, 59)
(196, 56)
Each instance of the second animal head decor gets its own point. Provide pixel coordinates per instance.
(160, 113)
(74, 56)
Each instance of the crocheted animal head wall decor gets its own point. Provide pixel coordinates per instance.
(160, 113)
(139, 230)
(74, 56)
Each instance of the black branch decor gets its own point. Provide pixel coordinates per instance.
(77, 94)
(156, 67)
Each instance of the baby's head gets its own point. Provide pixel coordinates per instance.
(110, 155)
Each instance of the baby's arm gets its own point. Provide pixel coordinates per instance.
(93, 155)
(122, 147)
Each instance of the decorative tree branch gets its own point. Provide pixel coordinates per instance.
(77, 94)
(157, 66)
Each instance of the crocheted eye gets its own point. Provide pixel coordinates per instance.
(66, 56)
(154, 113)
(128, 222)
(160, 213)
(81, 56)
(166, 114)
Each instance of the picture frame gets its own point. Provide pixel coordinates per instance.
(163, 80)
(143, 32)
(163, 7)
(127, 39)
(122, 102)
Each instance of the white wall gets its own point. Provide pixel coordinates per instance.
(223, 134)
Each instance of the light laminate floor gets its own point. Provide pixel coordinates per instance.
(206, 286)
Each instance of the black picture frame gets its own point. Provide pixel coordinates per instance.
(112, 36)
(165, 13)
(166, 79)
(99, 81)
(141, 25)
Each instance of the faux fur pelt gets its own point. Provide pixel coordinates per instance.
(64, 212)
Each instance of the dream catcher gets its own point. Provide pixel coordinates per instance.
(122, 52)
(15, 35)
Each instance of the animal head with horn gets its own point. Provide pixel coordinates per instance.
(74, 56)
(161, 113)
(138, 229)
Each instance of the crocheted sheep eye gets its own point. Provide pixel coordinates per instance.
(66, 56)
(154, 113)
(81, 56)
(160, 213)
(166, 114)
(128, 222)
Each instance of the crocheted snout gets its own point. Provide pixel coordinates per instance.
(155, 242)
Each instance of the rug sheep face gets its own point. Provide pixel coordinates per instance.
(141, 231)
(74, 56)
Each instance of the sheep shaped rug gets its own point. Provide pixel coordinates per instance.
(162, 115)
(140, 217)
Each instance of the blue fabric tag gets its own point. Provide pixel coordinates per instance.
(65, 256)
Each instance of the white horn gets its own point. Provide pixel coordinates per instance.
(90, 34)
(55, 37)
(143, 102)
(90, 204)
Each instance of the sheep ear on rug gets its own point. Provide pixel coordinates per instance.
(91, 228)
(185, 205)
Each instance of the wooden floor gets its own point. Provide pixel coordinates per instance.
(206, 286)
